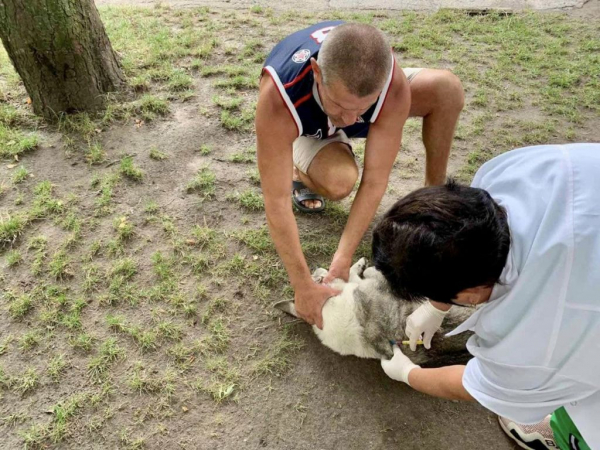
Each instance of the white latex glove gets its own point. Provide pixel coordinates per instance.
(425, 320)
(399, 366)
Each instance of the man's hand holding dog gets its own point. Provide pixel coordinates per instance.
(340, 268)
(309, 302)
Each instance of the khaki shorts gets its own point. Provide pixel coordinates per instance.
(305, 148)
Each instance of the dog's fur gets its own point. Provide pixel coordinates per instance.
(366, 316)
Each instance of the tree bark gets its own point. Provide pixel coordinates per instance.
(62, 53)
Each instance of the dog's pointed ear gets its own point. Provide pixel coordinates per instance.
(287, 306)
(319, 275)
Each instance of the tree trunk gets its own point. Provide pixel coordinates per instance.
(61, 51)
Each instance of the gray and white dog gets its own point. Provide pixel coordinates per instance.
(366, 317)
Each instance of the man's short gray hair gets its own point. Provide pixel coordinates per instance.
(358, 55)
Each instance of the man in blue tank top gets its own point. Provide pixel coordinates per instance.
(321, 86)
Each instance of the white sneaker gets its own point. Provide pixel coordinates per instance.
(535, 437)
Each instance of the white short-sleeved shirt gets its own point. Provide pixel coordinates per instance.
(536, 345)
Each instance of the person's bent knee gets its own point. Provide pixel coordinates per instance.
(451, 89)
(341, 183)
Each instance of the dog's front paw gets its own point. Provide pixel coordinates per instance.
(356, 271)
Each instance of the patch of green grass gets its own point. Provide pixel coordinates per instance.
(14, 143)
(203, 182)
(216, 305)
(20, 174)
(82, 341)
(151, 106)
(157, 155)
(217, 341)
(29, 340)
(13, 419)
(227, 103)
(237, 121)
(145, 382)
(109, 353)
(254, 176)
(95, 153)
(129, 170)
(169, 330)
(183, 354)
(63, 412)
(180, 81)
(124, 228)
(258, 240)
(106, 186)
(5, 343)
(277, 357)
(246, 156)
(56, 367)
(10, 229)
(20, 305)
(80, 124)
(205, 150)
(35, 436)
(26, 382)
(60, 266)
(45, 204)
(13, 258)
(224, 382)
(249, 199)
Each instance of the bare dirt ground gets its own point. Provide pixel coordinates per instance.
(155, 290)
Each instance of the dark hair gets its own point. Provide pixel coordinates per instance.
(438, 241)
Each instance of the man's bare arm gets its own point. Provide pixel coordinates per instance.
(383, 144)
(275, 134)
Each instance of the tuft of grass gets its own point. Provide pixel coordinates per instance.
(13, 258)
(106, 185)
(95, 154)
(109, 353)
(129, 170)
(205, 150)
(124, 228)
(14, 143)
(13, 419)
(227, 103)
(180, 81)
(151, 106)
(218, 338)
(82, 341)
(148, 383)
(20, 175)
(157, 155)
(56, 367)
(237, 122)
(278, 356)
(5, 343)
(10, 229)
(29, 340)
(203, 182)
(246, 157)
(59, 266)
(19, 306)
(27, 382)
(249, 199)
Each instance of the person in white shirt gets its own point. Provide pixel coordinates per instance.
(522, 244)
